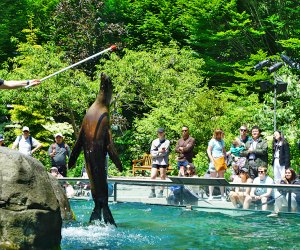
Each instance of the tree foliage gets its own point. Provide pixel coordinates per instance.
(179, 62)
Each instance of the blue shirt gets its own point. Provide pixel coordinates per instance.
(217, 148)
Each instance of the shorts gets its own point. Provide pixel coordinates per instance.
(159, 166)
(182, 164)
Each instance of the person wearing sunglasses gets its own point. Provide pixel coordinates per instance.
(256, 152)
(184, 148)
(281, 156)
(238, 195)
(26, 143)
(244, 137)
(260, 195)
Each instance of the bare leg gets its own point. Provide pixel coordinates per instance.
(264, 201)
(153, 177)
(163, 175)
(211, 188)
(234, 198)
(221, 175)
(247, 202)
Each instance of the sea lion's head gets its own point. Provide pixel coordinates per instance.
(106, 88)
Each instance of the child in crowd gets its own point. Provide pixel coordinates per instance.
(237, 161)
(54, 172)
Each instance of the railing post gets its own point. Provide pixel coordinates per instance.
(289, 201)
(115, 192)
(181, 195)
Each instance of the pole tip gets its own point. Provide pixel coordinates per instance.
(113, 47)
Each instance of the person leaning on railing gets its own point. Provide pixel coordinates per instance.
(238, 195)
(18, 84)
(282, 195)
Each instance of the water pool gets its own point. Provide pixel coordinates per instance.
(143, 226)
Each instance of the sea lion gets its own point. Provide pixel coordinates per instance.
(96, 141)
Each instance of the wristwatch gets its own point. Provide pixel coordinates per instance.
(28, 82)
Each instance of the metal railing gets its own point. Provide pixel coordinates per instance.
(125, 188)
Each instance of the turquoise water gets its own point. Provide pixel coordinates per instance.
(142, 226)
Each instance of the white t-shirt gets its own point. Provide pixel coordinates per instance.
(262, 190)
(24, 144)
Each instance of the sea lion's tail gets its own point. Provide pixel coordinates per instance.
(76, 150)
(107, 215)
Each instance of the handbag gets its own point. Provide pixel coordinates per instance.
(220, 164)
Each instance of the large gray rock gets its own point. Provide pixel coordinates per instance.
(65, 208)
(29, 211)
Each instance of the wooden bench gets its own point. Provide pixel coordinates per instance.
(145, 164)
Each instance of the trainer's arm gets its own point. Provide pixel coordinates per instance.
(18, 84)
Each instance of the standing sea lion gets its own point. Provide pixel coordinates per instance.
(96, 140)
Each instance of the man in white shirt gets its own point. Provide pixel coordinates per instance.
(27, 144)
(261, 195)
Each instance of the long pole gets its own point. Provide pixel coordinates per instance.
(111, 48)
(275, 101)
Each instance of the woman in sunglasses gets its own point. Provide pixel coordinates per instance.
(239, 194)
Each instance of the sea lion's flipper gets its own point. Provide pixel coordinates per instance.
(76, 150)
(107, 216)
(96, 214)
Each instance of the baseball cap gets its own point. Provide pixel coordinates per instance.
(25, 129)
(245, 170)
(160, 130)
(58, 134)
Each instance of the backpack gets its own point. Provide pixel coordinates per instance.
(30, 140)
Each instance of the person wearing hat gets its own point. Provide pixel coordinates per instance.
(58, 152)
(54, 172)
(238, 195)
(27, 144)
(160, 159)
(18, 84)
(2, 141)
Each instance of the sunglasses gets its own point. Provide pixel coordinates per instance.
(183, 130)
(244, 130)
(261, 172)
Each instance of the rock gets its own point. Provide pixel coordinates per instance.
(65, 209)
(29, 211)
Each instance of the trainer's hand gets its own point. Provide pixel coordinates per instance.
(34, 82)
